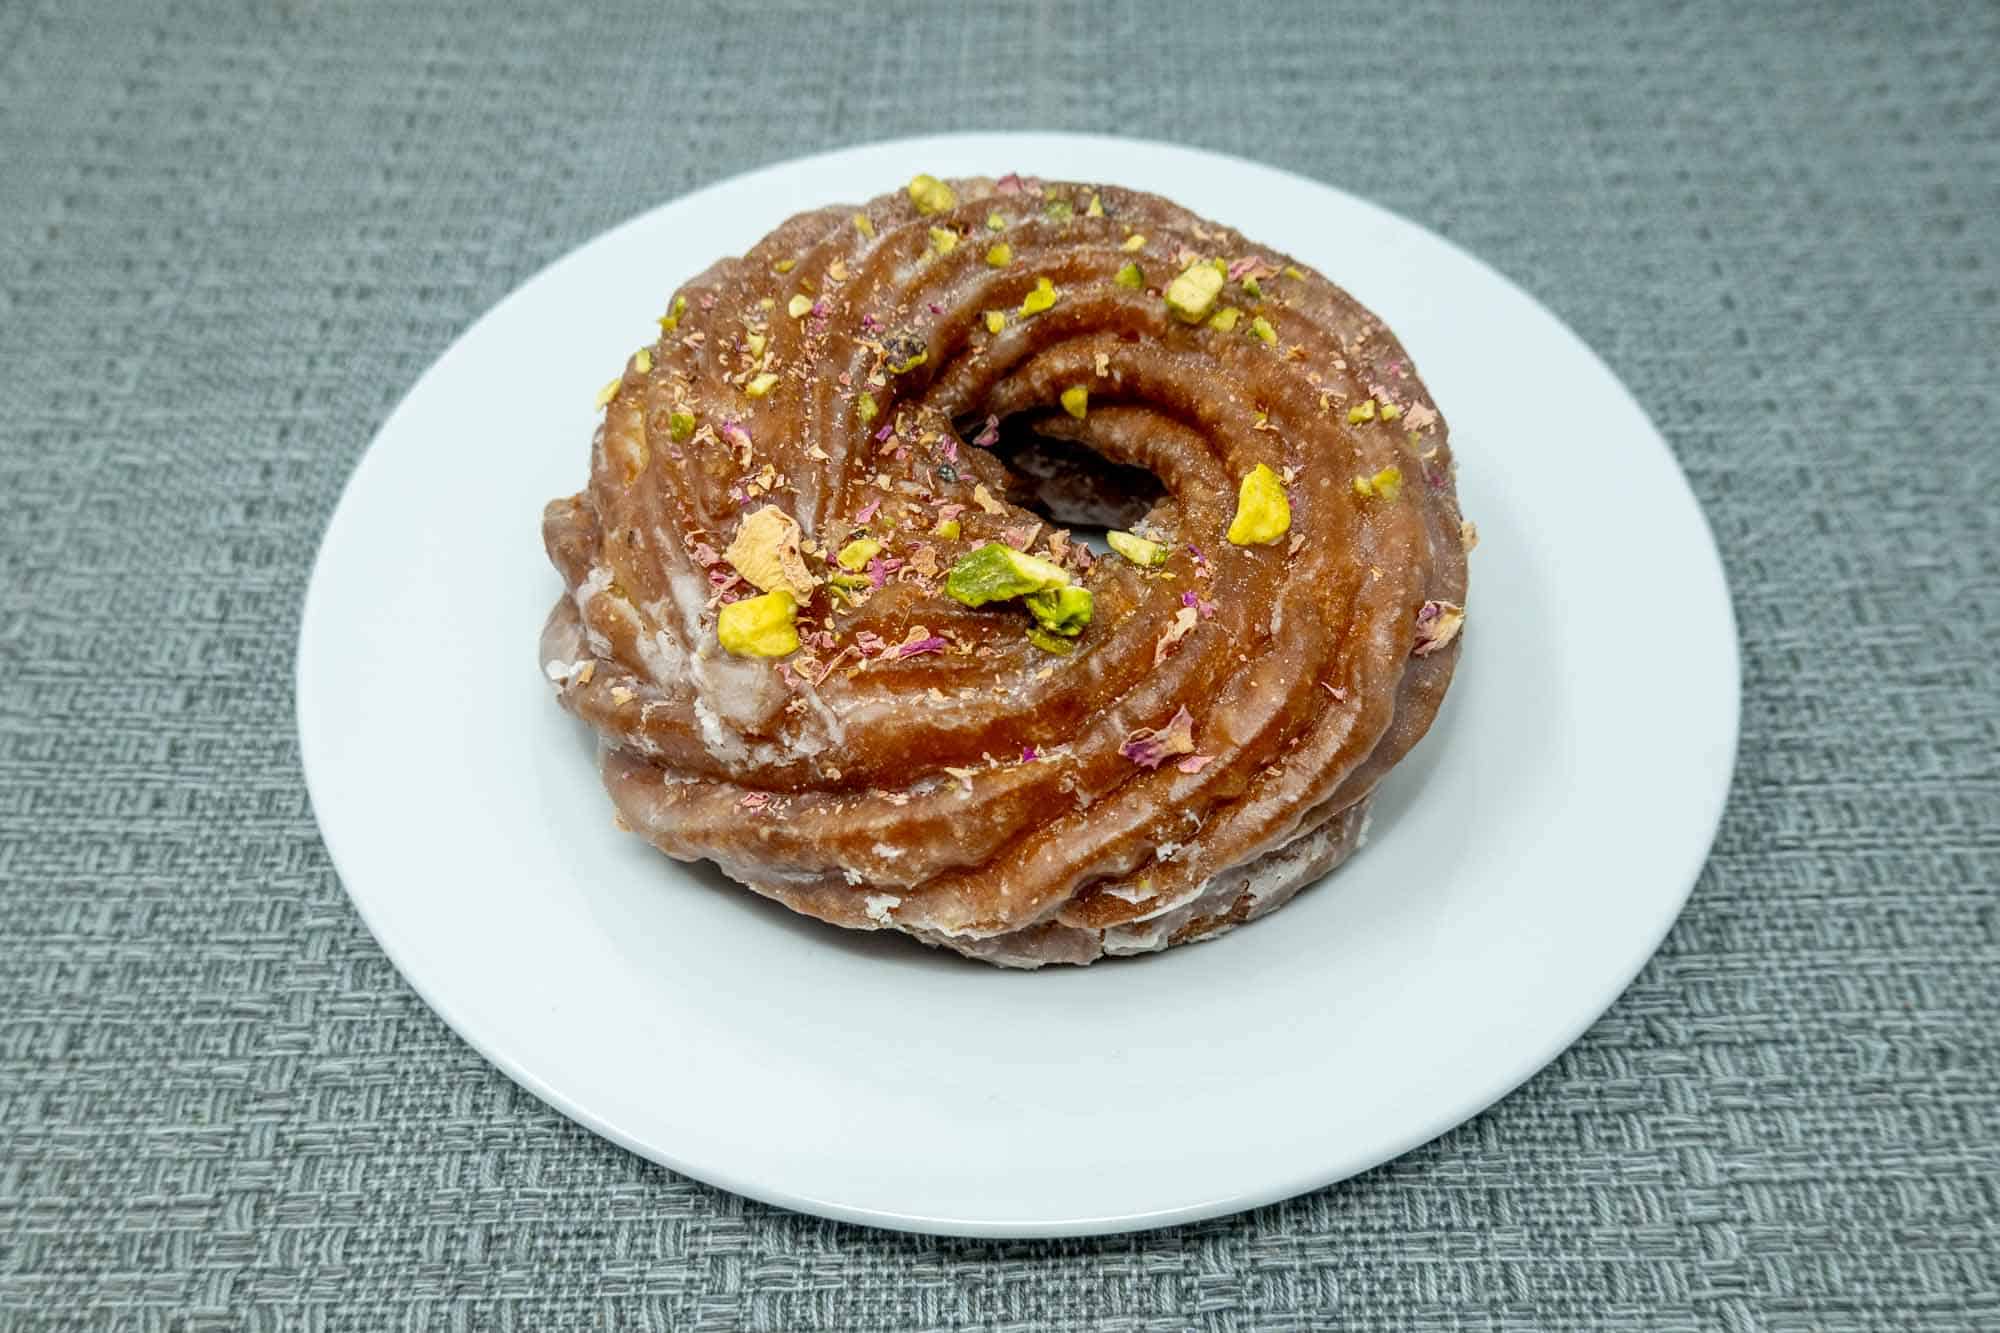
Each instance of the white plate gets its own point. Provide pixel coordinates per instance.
(1526, 859)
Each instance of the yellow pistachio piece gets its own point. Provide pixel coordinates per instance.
(1096, 209)
(1050, 643)
(931, 195)
(863, 225)
(1000, 256)
(1262, 328)
(1192, 295)
(996, 320)
(767, 551)
(1225, 318)
(1131, 277)
(767, 304)
(609, 391)
(1133, 243)
(642, 360)
(1390, 411)
(994, 222)
(1263, 514)
(1361, 411)
(761, 384)
(785, 265)
(759, 626)
(856, 554)
(1292, 272)
(680, 425)
(1386, 484)
(1076, 400)
(949, 530)
(672, 318)
(944, 240)
(865, 408)
(1137, 549)
(798, 305)
(755, 342)
(1039, 299)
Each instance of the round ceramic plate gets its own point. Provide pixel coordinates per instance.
(1525, 860)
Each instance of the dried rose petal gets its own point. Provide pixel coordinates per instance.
(1194, 763)
(989, 434)
(1438, 624)
(1149, 748)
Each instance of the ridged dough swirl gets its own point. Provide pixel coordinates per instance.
(980, 791)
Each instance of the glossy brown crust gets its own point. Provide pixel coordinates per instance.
(977, 797)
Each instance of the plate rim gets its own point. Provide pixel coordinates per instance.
(721, 1174)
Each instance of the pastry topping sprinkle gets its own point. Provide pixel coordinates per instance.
(1050, 643)
(855, 556)
(997, 572)
(1263, 514)
(1225, 318)
(799, 306)
(1096, 209)
(1194, 763)
(1184, 622)
(1040, 299)
(1149, 748)
(904, 352)
(680, 425)
(1438, 624)
(609, 391)
(989, 434)
(1130, 277)
(1133, 244)
(1361, 411)
(944, 240)
(984, 499)
(1384, 485)
(863, 225)
(1262, 328)
(1000, 256)
(996, 320)
(1063, 611)
(672, 319)
(1076, 400)
(761, 384)
(1192, 295)
(760, 626)
(931, 195)
(1468, 534)
(865, 408)
(995, 222)
(767, 552)
(1137, 549)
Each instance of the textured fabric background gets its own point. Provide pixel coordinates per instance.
(231, 236)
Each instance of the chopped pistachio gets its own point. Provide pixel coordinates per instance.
(944, 240)
(799, 305)
(1076, 400)
(1059, 210)
(1225, 318)
(1263, 514)
(994, 222)
(1040, 299)
(864, 225)
(1386, 484)
(1130, 276)
(1000, 255)
(1361, 411)
(642, 360)
(1438, 623)
(931, 195)
(996, 572)
(1252, 290)
(1096, 209)
(761, 384)
(1137, 549)
(671, 320)
(996, 320)
(1135, 242)
(904, 352)
(845, 582)
(1050, 643)
(609, 391)
(756, 343)
(1291, 271)
(856, 554)
(1220, 265)
(760, 626)
(680, 425)
(1063, 611)
(785, 265)
(1390, 411)
(1262, 328)
(767, 304)
(865, 408)
(1192, 295)
(949, 530)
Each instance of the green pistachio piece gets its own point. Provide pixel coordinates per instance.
(996, 572)
(931, 195)
(1262, 328)
(1051, 643)
(756, 343)
(1063, 611)
(994, 222)
(680, 425)
(1137, 549)
(1225, 318)
(948, 530)
(1076, 400)
(865, 408)
(1134, 243)
(799, 305)
(1130, 276)
(1252, 290)
(864, 225)
(1292, 272)
(785, 265)
(671, 320)
(1096, 209)
(760, 626)
(856, 554)
(996, 320)
(1192, 295)
(761, 384)
(944, 240)
(1039, 299)
(1263, 514)
(1000, 256)
(1361, 411)
(1386, 484)
(1059, 210)
(1389, 410)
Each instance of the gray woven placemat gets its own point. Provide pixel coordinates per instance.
(232, 234)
